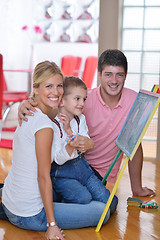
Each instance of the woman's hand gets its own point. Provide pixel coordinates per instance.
(25, 108)
(54, 233)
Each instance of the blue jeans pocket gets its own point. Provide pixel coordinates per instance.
(16, 220)
(36, 223)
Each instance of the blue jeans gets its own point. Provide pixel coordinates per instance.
(76, 182)
(67, 216)
(2, 213)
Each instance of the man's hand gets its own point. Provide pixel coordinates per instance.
(24, 109)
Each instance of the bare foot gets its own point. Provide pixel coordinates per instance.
(144, 192)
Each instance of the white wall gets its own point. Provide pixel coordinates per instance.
(16, 46)
(55, 51)
(13, 44)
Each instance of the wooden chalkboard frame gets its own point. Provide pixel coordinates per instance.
(137, 122)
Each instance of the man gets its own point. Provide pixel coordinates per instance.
(107, 107)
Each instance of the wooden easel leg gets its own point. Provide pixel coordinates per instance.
(112, 195)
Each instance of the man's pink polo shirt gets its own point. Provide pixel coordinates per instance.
(104, 126)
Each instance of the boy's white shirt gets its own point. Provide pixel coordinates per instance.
(60, 154)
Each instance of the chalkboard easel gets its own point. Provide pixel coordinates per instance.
(131, 134)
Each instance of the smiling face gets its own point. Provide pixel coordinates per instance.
(49, 93)
(74, 101)
(112, 81)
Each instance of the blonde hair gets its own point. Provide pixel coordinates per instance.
(42, 72)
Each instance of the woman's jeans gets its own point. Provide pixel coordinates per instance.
(67, 216)
(76, 182)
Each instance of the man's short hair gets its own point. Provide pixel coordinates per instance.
(112, 57)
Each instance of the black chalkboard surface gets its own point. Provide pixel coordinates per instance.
(137, 122)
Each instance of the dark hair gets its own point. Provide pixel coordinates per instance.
(70, 82)
(112, 57)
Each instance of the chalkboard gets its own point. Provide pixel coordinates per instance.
(139, 117)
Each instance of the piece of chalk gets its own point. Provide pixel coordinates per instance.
(69, 138)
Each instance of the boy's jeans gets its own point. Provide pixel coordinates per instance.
(76, 183)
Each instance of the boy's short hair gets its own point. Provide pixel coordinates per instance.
(72, 81)
(112, 57)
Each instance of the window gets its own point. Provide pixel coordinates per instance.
(141, 45)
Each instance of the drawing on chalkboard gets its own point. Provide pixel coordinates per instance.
(137, 119)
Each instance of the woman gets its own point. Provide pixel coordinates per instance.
(27, 193)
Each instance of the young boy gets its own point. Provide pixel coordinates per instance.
(72, 177)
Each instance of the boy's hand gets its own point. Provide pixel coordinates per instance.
(73, 142)
(64, 119)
